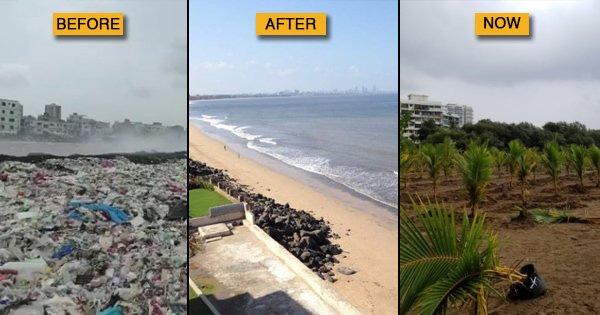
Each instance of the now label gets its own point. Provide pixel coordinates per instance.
(502, 24)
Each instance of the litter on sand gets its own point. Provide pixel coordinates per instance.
(93, 235)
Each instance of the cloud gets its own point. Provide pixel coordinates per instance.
(285, 72)
(552, 76)
(141, 92)
(14, 75)
(142, 76)
(214, 65)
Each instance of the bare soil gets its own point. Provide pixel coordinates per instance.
(566, 255)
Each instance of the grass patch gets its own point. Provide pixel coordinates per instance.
(203, 199)
(191, 293)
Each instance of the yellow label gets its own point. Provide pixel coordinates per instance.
(502, 24)
(291, 24)
(88, 24)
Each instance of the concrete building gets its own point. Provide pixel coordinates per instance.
(82, 127)
(11, 114)
(50, 123)
(464, 113)
(43, 127)
(423, 109)
(52, 112)
(139, 128)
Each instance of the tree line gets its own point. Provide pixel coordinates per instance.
(499, 134)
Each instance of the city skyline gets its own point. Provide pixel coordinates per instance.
(355, 90)
(81, 113)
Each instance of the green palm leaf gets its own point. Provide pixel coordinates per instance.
(440, 265)
(475, 166)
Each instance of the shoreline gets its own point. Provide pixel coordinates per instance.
(369, 241)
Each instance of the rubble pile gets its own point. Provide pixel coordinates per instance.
(303, 235)
(93, 235)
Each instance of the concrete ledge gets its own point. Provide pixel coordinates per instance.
(214, 231)
(321, 288)
(198, 292)
(228, 212)
(220, 214)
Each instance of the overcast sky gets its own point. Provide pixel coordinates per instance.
(226, 56)
(141, 77)
(552, 76)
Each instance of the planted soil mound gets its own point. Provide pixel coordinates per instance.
(565, 254)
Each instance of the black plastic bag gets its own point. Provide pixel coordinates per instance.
(532, 287)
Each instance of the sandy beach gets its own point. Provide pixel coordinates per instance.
(371, 245)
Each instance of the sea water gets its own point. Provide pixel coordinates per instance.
(351, 140)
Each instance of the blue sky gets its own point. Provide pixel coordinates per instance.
(226, 56)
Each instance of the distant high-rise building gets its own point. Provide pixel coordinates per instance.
(52, 112)
(11, 113)
(464, 113)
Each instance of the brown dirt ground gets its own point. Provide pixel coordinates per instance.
(564, 254)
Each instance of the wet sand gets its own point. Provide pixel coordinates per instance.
(370, 241)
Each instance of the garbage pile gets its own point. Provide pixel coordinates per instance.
(93, 236)
(303, 235)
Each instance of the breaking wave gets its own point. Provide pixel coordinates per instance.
(219, 124)
(378, 186)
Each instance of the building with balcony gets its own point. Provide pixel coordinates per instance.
(422, 109)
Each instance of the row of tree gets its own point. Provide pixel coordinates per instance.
(476, 164)
(498, 134)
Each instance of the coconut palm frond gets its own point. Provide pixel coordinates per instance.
(555, 216)
(424, 258)
(552, 159)
(449, 152)
(432, 159)
(594, 153)
(578, 158)
(441, 266)
(475, 166)
(515, 150)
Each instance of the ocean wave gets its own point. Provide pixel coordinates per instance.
(379, 186)
(268, 140)
(218, 123)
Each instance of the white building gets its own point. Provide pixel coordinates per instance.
(464, 113)
(423, 109)
(11, 113)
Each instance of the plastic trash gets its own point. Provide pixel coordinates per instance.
(26, 269)
(74, 234)
(115, 214)
(532, 287)
(115, 310)
(63, 251)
